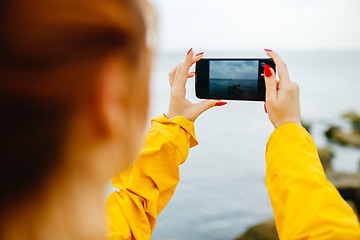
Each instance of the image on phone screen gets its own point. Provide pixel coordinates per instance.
(234, 79)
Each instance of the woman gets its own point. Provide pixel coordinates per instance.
(74, 100)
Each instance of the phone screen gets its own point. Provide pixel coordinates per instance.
(234, 79)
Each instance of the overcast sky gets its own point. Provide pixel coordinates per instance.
(254, 24)
(244, 70)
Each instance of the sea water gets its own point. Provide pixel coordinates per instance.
(222, 189)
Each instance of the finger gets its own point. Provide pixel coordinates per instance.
(205, 105)
(281, 66)
(189, 59)
(182, 73)
(172, 74)
(271, 84)
(197, 57)
(192, 74)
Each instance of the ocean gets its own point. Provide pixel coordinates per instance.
(222, 189)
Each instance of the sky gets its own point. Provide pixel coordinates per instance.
(245, 70)
(254, 24)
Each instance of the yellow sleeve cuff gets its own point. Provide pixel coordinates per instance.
(284, 129)
(183, 122)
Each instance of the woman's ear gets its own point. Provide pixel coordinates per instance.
(109, 112)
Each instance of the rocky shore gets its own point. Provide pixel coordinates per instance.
(348, 184)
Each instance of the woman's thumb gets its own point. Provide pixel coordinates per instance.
(207, 104)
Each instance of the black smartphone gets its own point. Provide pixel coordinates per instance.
(231, 79)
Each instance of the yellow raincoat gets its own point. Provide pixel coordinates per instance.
(305, 204)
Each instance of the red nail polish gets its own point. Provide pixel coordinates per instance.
(192, 72)
(267, 70)
(268, 50)
(189, 51)
(218, 104)
(199, 54)
(265, 107)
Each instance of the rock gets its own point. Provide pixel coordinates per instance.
(354, 119)
(335, 134)
(263, 231)
(326, 155)
(348, 185)
(344, 180)
(306, 125)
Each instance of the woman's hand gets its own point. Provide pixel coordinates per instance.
(282, 96)
(179, 105)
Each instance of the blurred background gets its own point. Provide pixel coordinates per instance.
(222, 190)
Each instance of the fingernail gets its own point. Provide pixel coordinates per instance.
(267, 70)
(218, 104)
(192, 72)
(268, 50)
(199, 54)
(189, 51)
(265, 107)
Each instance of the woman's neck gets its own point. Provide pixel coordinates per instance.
(70, 208)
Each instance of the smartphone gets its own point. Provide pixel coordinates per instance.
(231, 79)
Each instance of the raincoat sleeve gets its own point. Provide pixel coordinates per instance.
(305, 204)
(149, 184)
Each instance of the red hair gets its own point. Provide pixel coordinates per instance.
(49, 54)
